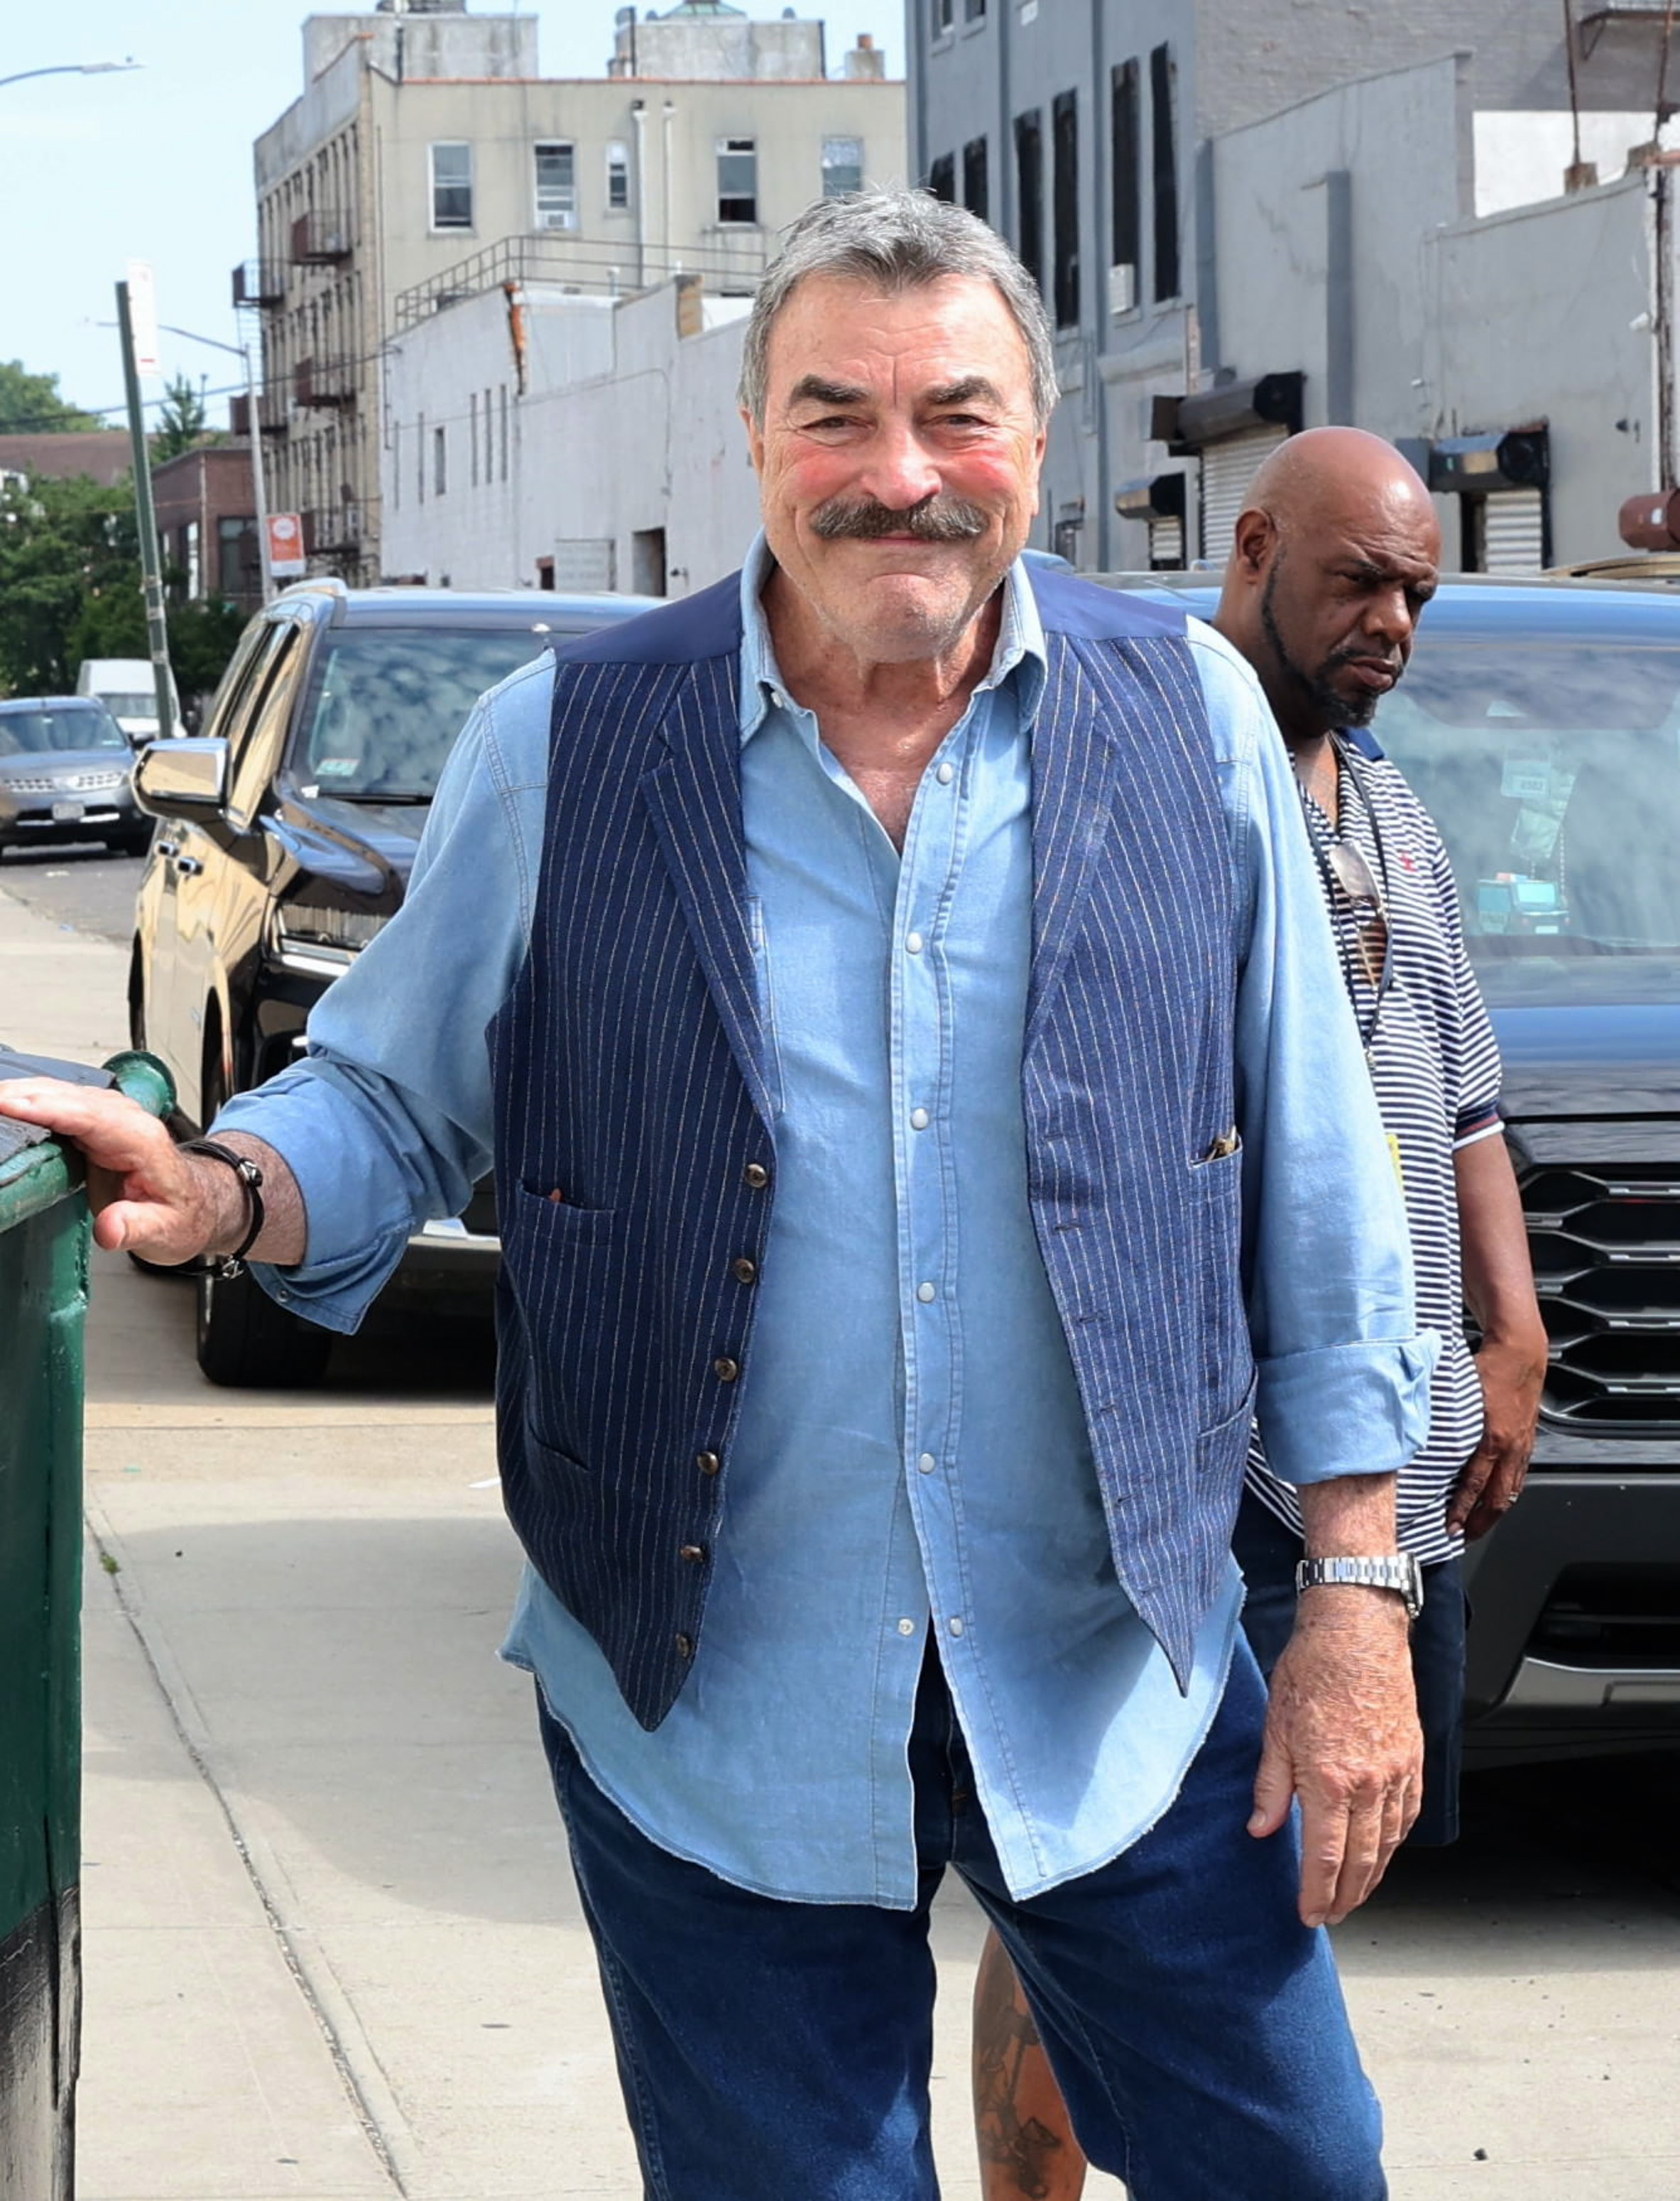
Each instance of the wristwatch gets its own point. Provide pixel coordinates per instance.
(1398, 1570)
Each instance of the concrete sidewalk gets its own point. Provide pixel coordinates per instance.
(332, 1949)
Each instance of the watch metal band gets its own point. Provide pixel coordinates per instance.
(1398, 1571)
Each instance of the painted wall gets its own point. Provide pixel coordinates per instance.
(626, 426)
(1544, 313)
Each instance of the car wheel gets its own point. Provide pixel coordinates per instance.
(244, 1339)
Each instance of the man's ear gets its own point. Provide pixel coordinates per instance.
(1253, 542)
(755, 442)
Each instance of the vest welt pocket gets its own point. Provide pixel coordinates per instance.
(550, 1210)
(549, 1458)
(1225, 1444)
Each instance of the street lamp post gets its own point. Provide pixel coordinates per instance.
(74, 68)
(259, 487)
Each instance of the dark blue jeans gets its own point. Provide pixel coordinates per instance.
(781, 2052)
(1266, 1551)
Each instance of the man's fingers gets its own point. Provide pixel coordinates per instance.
(1323, 1847)
(1473, 1477)
(1274, 1787)
(115, 1132)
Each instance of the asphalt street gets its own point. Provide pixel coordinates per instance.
(330, 1944)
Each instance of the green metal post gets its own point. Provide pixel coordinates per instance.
(151, 563)
(44, 1237)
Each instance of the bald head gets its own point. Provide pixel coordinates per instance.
(1336, 554)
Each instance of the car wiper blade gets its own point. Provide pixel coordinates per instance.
(372, 795)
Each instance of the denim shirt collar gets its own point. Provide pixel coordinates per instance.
(1020, 650)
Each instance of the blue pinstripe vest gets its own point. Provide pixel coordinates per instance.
(635, 1155)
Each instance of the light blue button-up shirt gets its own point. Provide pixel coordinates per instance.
(910, 1455)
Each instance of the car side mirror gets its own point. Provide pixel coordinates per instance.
(184, 778)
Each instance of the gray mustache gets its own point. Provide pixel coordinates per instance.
(865, 519)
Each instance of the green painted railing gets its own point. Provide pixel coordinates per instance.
(44, 1238)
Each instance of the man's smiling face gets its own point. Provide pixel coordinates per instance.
(898, 457)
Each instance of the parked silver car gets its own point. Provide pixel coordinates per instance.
(64, 774)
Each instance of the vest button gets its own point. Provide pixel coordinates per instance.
(725, 1369)
(694, 1553)
(707, 1462)
(685, 1647)
(755, 1176)
(744, 1271)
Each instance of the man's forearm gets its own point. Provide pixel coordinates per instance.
(1498, 1274)
(285, 1237)
(1351, 1516)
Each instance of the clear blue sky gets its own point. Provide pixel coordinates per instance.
(155, 164)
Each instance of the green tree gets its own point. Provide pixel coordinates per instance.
(202, 636)
(32, 404)
(69, 582)
(183, 422)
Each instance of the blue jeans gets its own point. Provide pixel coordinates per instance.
(781, 2052)
(1266, 1551)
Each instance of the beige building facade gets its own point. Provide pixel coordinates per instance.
(427, 161)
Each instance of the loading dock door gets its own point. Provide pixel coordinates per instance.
(1227, 468)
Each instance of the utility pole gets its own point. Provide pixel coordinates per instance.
(151, 565)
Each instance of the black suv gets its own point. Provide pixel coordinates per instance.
(1540, 724)
(289, 829)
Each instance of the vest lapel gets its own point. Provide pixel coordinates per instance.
(693, 801)
(1075, 779)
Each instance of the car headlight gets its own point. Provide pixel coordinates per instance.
(318, 941)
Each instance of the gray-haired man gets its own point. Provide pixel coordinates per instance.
(910, 1083)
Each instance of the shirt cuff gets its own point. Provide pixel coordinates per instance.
(1346, 1409)
(1489, 1130)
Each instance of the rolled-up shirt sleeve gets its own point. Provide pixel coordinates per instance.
(386, 1121)
(1343, 1369)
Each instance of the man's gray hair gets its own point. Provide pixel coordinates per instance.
(898, 240)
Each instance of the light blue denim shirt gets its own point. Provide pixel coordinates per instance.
(910, 1455)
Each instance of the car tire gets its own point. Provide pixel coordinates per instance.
(244, 1341)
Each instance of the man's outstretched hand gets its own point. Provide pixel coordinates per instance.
(147, 1196)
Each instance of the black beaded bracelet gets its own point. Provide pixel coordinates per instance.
(229, 1266)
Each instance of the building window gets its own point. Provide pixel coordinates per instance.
(1124, 226)
(452, 186)
(472, 433)
(974, 11)
(618, 176)
(942, 179)
(943, 18)
(420, 459)
(556, 166)
(503, 390)
(440, 462)
(976, 181)
(1030, 192)
(238, 564)
(842, 166)
(1164, 169)
(1065, 205)
(737, 180)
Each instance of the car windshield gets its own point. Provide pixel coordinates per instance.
(1553, 770)
(130, 707)
(389, 702)
(58, 729)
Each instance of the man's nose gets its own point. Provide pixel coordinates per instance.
(900, 471)
(1389, 616)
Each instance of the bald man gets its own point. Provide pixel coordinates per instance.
(1336, 555)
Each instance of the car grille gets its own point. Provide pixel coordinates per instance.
(1605, 1246)
(76, 782)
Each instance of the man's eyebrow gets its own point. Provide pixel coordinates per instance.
(1368, 569)
(964, 392)
(814, 389)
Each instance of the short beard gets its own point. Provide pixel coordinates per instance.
(1330, 709)
(866, 519)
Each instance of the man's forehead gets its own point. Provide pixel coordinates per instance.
(1395, 537)
(960, 323)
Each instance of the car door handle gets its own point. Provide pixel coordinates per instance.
(187, 867)
(168, 848)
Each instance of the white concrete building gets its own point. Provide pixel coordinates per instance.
(542, 438)
(427, 160)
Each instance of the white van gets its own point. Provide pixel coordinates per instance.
(125, 686)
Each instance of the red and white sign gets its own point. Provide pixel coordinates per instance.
(285, 545)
